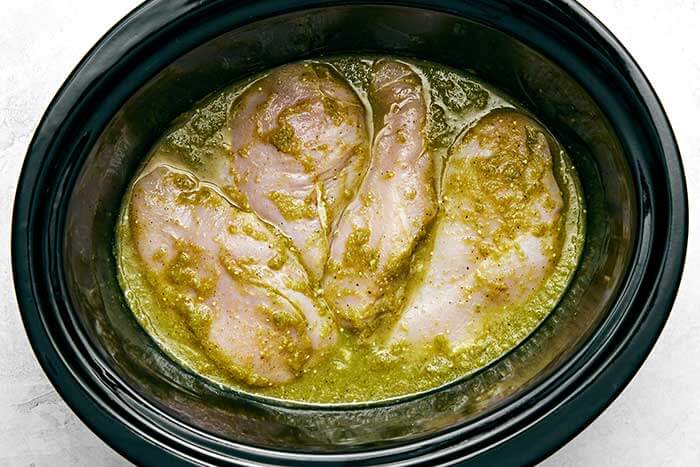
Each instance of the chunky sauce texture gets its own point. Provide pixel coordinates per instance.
(484, 191)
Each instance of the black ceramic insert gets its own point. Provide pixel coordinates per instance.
(552, 56)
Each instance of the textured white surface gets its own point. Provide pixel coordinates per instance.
(656, 421)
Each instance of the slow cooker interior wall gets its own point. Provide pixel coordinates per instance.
(539, 84)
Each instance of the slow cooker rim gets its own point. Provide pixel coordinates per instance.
(26, 289)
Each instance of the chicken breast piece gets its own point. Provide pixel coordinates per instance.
(496, 238)
(237, 282)
(372, 245)
(299, 146)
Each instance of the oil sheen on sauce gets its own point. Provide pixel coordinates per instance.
(442, 242)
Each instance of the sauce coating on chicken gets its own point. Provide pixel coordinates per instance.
(298, 148)
(498, 234)
(237, 283)
(349, 229)
(370, 255)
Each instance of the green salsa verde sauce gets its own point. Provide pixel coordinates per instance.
(358, 368)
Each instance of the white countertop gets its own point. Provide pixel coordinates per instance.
(656, 420)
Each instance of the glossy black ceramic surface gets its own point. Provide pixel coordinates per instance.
(551, 56)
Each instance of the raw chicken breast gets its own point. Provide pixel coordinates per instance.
(496, 238)
(236, 281)
(299, 147)
(372, 245)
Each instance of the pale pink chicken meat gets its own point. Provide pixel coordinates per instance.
(496, 238)
(299, 146)
(234, 279)
(396, 202)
